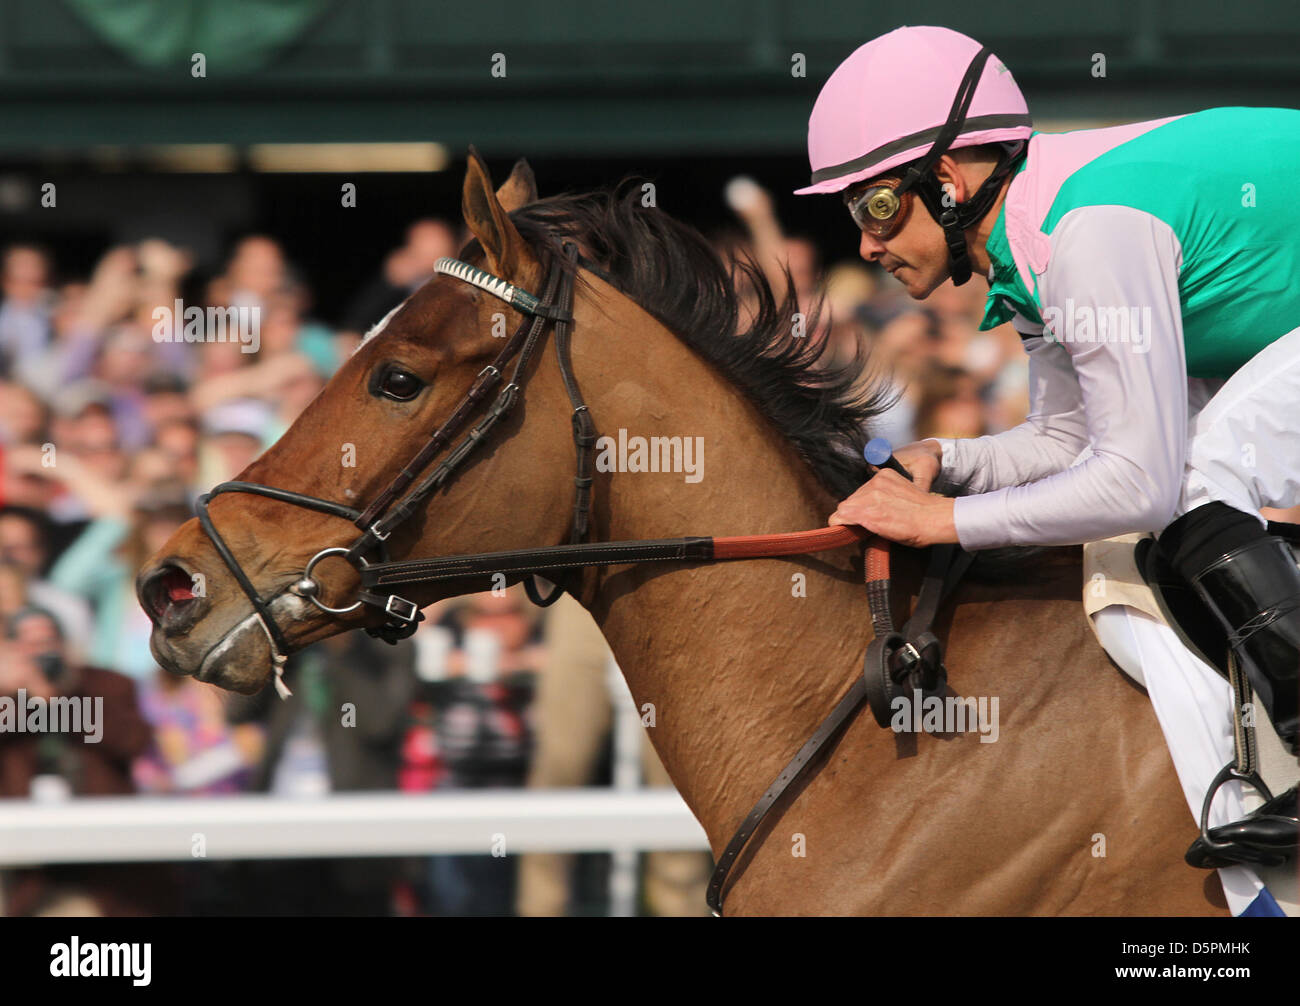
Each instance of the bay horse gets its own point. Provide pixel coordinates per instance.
(1075, 809)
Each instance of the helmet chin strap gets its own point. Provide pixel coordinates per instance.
(954, 218)
(950, 218)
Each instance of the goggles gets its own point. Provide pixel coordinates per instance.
(877, 209)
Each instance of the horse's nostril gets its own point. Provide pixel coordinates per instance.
(166, 591)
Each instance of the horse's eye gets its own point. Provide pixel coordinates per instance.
(400, 385)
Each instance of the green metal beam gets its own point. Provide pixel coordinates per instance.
(588, 76)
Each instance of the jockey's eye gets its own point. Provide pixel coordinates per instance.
(398, 384)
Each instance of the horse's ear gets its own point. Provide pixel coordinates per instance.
(488, 221)
(519, 189)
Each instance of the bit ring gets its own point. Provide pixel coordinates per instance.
(310, 589)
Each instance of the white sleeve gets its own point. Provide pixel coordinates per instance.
(1048, 441)
(1110, 296)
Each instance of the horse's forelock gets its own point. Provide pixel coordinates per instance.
(378, 327)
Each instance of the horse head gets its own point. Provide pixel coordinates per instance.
(405, 379)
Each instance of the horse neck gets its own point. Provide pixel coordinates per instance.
(738, 667)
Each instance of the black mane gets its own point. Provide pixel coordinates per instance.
(670, 270)
(673, 273)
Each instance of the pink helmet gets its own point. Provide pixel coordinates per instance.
(889, 101)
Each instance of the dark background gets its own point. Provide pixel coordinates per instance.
(687, 93)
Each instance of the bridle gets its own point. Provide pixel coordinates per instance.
(395, 505)
(895, 660)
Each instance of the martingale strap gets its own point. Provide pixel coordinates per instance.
(947, 566)
(875, 567)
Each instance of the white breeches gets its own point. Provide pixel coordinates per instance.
(1243, 436)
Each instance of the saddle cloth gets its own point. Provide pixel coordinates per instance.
(1192, 702)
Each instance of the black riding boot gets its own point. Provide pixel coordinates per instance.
(1249, 580)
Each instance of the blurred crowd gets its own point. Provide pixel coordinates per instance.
(108, 433)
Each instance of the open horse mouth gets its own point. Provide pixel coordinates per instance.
(224, 645)
(167, 595)
(177, 604)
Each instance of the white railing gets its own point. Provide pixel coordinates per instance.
(118, 829)
(622, 820)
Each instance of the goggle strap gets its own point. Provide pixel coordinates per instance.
(973, 209)
(956, 119)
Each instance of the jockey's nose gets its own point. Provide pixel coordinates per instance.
(870, 248)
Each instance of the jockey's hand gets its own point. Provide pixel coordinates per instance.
(923, 460)
(896, 509)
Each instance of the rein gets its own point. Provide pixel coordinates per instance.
(608, 553)
(894, 659)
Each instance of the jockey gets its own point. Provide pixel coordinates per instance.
(1150, 270)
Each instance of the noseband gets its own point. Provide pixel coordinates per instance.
(395, 505)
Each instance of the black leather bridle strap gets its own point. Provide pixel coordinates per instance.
(844, 710)
(584, 433)
(487, 379)
(948, 564)
(402, 510)
(260, 606)
(547, 559)
(584, 427)
(527, 330)
(401, 615)
(287, 496)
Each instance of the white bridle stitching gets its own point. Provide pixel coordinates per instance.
(487, 282)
